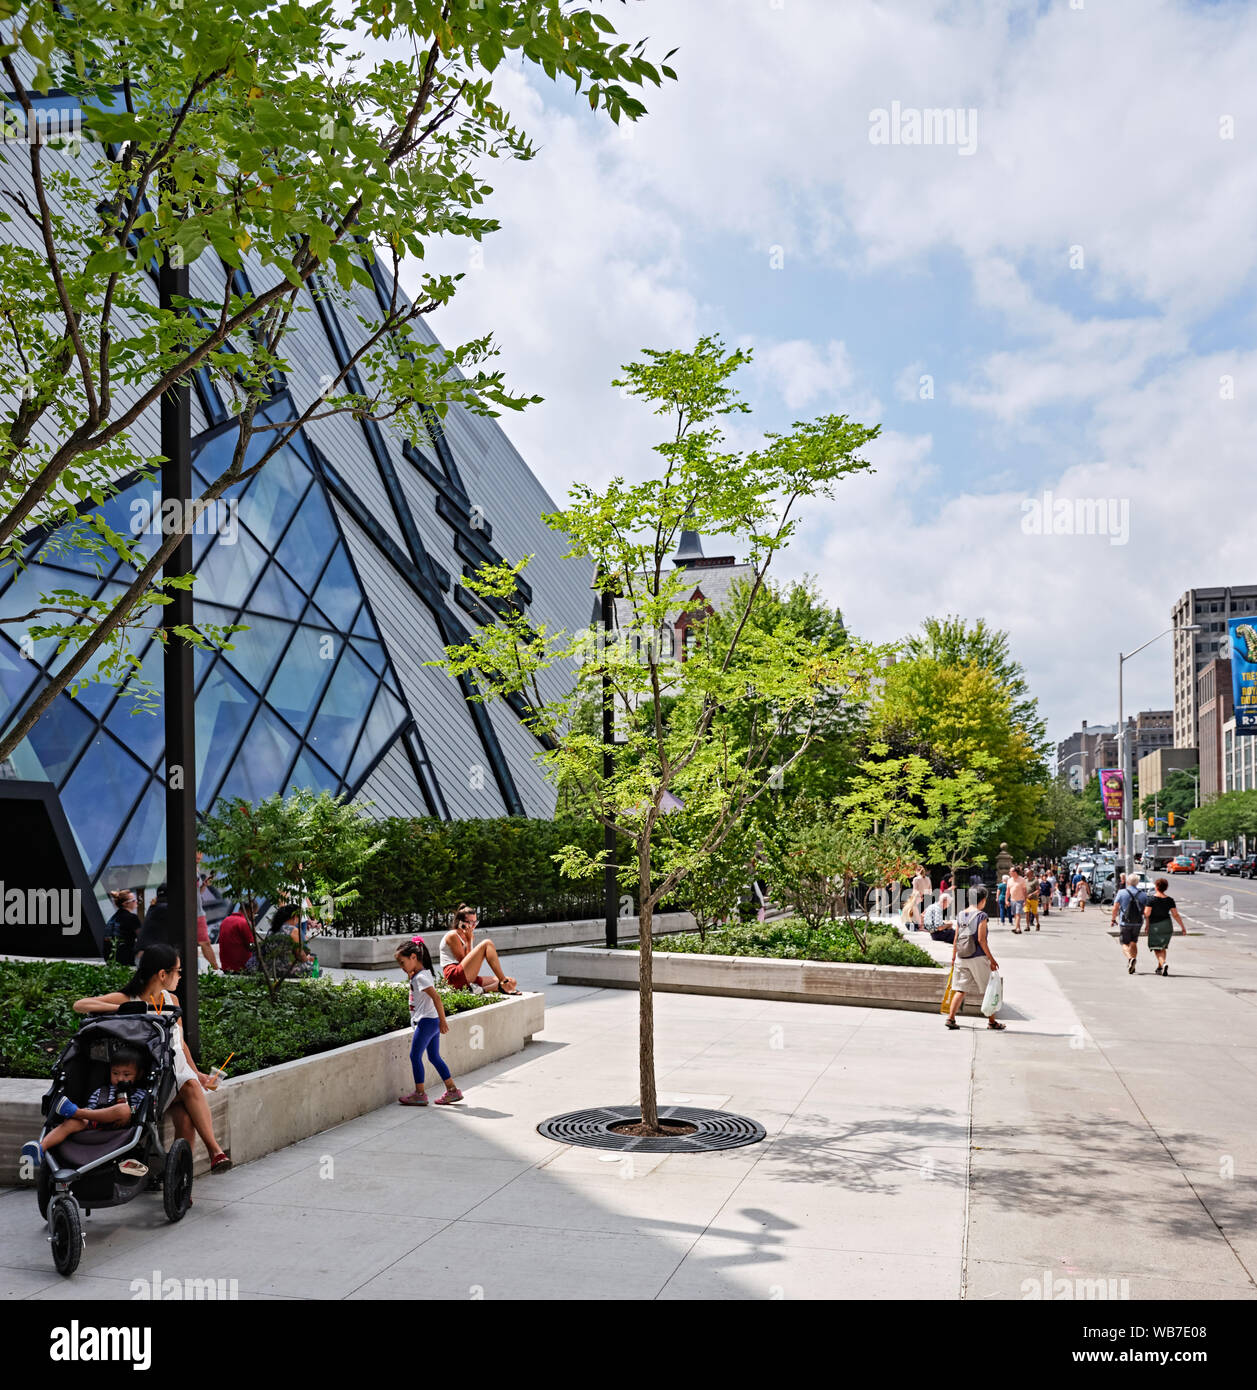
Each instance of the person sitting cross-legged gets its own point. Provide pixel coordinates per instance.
(461, 958)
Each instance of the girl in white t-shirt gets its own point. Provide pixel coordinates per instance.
(427, 1013)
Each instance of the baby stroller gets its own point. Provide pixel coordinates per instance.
(85, 1168)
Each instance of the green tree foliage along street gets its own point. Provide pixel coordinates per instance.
(714, 732)
(964, 715)
(1226, 817)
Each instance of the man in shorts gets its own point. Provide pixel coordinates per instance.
(1018, 892)
(972, 973)
(1128, 915)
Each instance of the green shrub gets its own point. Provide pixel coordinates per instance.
(306, 1017)
(794, 940)
(503, 867)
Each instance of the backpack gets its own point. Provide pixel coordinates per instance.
(967, 932)
(1134, 904)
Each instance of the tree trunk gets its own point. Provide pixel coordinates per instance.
(646, 999)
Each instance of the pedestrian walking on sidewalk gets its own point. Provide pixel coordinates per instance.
(1001, 896)
(971, 959)
(1157, 913)
(1128, 914)
(1018, 891)
(1082, 891)
(427, 1013)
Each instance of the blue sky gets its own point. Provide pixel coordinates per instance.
(1128, 130)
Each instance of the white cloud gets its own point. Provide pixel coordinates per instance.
(1098, 129)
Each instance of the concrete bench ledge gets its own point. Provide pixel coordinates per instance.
(376, 952)
(750, 977)
(270, 1109)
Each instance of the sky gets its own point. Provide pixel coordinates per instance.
(1055, 296)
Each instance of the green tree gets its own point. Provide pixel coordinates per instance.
(249, 133)
(1070, 820)
(1178, 794)
(288, 850)
(954, 642)
(1226, 817)
(962, 714)
(743, 701)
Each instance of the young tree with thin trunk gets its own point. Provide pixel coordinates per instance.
(710, 727)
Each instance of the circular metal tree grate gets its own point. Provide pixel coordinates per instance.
(713, 1129)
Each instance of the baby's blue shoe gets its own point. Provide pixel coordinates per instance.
(33, 1152)
(66, 1108)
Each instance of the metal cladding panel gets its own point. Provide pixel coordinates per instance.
(522, 751)
(410, 634)
(391, 788)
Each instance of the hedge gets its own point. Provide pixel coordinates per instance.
(792, 940)
(306, 1016)
(504, 868)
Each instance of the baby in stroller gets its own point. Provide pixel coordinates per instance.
(114, 1105)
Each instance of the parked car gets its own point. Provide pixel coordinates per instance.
(1215, 864)
(1233, 866)
(1201, 858)
(1184, 864)
(1104, 886)
(1248, 866)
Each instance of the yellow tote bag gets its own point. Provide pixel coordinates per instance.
(945, 1006)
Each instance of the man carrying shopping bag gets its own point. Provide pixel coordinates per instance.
(972, 961)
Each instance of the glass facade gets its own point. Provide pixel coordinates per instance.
(304, 697)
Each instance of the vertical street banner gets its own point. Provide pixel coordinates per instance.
(1243, 635)
(1111, 791)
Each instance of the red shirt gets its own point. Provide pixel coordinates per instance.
(235, 942)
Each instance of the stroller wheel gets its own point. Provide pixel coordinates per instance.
(177, 1181)
(66, 1233)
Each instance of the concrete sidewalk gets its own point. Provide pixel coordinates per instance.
(1091, 1139)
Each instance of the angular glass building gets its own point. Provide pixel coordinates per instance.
(346, 567)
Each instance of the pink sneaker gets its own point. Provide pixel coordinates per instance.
(449, 1097)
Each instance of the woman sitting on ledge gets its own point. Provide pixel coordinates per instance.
(461, 960)
(155, 981)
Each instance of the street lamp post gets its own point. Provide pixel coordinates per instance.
(1126, 831)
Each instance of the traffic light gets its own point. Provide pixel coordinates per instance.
(1171, 819)
(1150, 823)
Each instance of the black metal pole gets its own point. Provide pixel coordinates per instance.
(611, 886)
(177, 680)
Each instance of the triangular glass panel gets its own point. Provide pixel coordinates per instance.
(23, 597)
(17, 675)
(277, 594)
(343, 710)
(337, 594)
(277, 492)
(312, 773)
(364, 627)
(140, 855)
(228, 570)
(101, 790)
(309, 540)
(223, 707)
(300, 680)
(260, 769)
(371, 652)
(255, 651)
(387, 716)
(48, 752)
(142, 728)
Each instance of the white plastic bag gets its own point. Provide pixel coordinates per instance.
(994, 995)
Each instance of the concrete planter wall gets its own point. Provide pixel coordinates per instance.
(802, 981)
(376, 952)
(269, 1109)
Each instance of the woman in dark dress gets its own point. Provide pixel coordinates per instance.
(1157, 915)
(124, 927)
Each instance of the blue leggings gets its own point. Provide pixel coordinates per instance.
(427, 1039)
